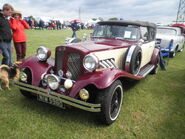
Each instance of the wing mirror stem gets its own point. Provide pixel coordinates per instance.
(140, 42)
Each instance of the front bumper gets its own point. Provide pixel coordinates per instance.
(61, 98)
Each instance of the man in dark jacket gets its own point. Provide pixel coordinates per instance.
(74, 27)
(5, 35)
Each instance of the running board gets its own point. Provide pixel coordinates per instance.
(146, 70)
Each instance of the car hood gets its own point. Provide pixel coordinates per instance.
(100, 45)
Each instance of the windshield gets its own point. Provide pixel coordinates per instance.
(167, 31)
(117, 32)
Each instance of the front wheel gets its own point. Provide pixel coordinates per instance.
(172, 54)
(111, 100)
(182, 49)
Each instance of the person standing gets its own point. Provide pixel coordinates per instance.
(6, 35)
(74, 27)
(30, 22)
(19, 36)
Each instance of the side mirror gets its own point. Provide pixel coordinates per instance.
(67, 40)
(84, 36)
(140, 42)
(144, 38)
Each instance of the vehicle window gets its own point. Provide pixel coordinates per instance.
(166, 31)
(144, 33)
(152, 33)
(115, 31)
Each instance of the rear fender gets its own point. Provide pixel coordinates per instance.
(154, 58)
(37, 68)
(100, 79)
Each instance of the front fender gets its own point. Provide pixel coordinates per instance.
(100, 79)
(37, 68)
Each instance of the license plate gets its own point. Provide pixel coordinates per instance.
(50, 101)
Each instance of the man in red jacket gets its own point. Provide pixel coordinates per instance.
(19, 36)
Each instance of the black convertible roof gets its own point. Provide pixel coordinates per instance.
(127, 22)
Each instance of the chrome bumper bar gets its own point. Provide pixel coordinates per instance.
(59, 97)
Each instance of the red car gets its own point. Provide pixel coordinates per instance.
(89, 75)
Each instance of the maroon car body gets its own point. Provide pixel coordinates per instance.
(88, 75)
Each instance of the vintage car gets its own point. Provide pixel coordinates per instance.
(89, 75)
(170, 40)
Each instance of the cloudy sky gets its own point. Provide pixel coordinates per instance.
(158, 11)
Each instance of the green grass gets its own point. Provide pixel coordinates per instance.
(153, 107)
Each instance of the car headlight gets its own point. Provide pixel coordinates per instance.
(43, 53)
(68, 83)
(23, 76)
(53, 81)
(84, 94)
(90, 62)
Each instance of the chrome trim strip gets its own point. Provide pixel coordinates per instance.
(111, 65)
(113, 62)
(101, 64)
(105, 63)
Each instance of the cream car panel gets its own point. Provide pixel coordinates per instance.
(147, 51)
(117, 54)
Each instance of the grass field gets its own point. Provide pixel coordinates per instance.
(153, 107)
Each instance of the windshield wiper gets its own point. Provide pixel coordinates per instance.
(119, 38)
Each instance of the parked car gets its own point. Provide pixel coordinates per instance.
(89, 75)
(170, 39)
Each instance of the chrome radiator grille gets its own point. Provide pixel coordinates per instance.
(59, 60)
(73, 65)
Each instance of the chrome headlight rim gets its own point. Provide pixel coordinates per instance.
(51, 84)
(46, 51)
(96, 61)
(23, 77)
(44, 79)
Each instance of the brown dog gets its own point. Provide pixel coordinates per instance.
(7, 73)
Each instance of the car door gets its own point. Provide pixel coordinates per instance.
(147, 46)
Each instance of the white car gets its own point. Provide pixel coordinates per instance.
(166, 35)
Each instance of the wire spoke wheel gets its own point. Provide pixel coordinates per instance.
(137, 62)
